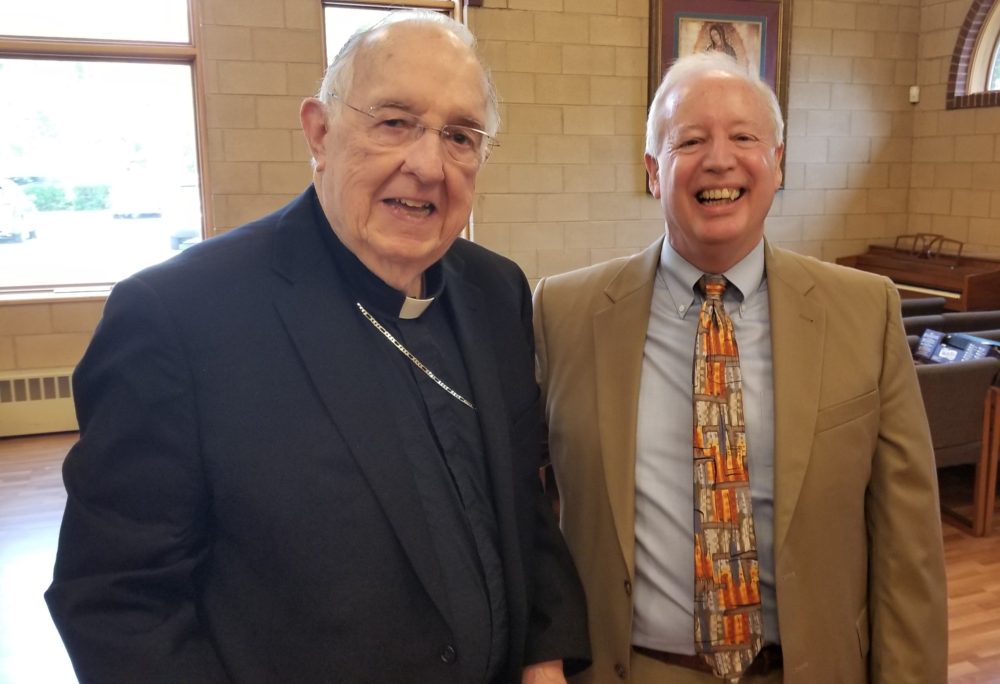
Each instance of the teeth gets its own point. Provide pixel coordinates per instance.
(731, 194)
(413, 205)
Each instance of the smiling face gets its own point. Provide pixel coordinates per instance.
(716, 170)
(399, 209)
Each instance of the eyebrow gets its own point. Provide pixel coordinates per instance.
(740, 123)
(460, 120)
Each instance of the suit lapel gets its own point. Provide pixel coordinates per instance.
(330, 338)
(619, 341)
(797, 336)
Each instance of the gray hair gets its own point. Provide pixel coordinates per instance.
(340, 74)
(700, 64)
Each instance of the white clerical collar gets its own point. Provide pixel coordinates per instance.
(414, 308)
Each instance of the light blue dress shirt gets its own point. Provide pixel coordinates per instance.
(663, 596)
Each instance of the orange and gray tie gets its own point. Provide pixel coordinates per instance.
(728, 623)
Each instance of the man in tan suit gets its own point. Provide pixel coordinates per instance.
(841, 468)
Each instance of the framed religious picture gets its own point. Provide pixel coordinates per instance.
(753, 32)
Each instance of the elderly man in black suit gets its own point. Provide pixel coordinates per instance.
(309, 448)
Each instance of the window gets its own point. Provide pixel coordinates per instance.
(974, 77)
(99, 163)
(342, 19)
(993, 82)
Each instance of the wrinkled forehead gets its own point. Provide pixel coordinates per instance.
(399, 56)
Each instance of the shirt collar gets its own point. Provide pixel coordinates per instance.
(681, 277)
(373, 292)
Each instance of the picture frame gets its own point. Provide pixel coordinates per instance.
(754, 32)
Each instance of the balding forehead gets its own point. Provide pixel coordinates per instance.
(392, 43)
(689, 87)
(405, 47)
(380, 42)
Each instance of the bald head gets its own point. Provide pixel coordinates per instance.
(699, 65)
(378, 41)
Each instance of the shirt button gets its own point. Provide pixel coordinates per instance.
(628, 588)
(448, 654)
(681, 309)
(620, 670)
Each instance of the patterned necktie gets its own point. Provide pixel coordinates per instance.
(728, 624)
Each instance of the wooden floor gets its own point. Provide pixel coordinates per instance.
(31, 503)
(32, 498)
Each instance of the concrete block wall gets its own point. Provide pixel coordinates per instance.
(567, 186)
(849, 126)
(36, 335)
(955, 185)
(261, 59)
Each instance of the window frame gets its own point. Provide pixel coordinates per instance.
(972, 58)
(984, 52)
(453, 7)
(100, 50)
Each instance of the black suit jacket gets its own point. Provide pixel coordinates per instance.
(240, 501)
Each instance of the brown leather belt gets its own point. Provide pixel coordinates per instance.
(768, 660)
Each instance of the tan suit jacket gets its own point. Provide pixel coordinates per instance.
(858, 554)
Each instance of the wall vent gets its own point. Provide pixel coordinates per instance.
(36, 402)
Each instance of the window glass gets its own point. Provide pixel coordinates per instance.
(342, 22)
(974, 61)
(98, 169)
(993, 80)
(147, 20)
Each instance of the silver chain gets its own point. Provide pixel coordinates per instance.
(416, 362)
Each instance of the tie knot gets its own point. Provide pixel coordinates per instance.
(712, 286)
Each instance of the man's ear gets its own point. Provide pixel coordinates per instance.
(312, 115)
(652, 169)
(779, 152)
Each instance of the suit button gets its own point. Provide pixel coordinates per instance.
(620, 670)
(448, 654)
(628, 588)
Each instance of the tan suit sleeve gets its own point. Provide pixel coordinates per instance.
(907, 601)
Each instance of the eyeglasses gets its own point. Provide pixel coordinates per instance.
(394, 127)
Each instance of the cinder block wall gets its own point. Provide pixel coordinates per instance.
(567, 187)
(850, 126)
(43, 335)
(955, 185)
(261, 59)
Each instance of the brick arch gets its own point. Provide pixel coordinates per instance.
(958, 96)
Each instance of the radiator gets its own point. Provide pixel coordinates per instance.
(36, 402)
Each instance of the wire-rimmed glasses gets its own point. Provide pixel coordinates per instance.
(395, 127)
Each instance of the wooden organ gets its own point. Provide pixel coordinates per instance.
(926, 264)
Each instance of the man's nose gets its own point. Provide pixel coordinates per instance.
(719, 154)
(426, 156)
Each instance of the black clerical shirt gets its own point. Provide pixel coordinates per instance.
(445, 451)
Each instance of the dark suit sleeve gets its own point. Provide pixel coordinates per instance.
(134, 533)
(557, 626)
